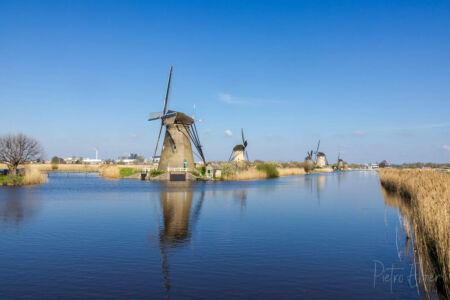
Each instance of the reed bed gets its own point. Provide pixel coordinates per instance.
(34, 176)
(249, 174)
(426, 196)
(291, 171)
(109, 171)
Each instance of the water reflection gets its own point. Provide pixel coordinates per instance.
(240, 196)
(17, 205)
(179, 217)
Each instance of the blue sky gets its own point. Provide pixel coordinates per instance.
(371, 79)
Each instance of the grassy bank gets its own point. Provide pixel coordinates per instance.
(32, 176)
(117, 171)
(425, 201)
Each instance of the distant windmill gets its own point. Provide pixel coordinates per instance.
(239, 152)
(96, 153)
(308, 158)
(340, 163)
(320, 157)
(180, 131)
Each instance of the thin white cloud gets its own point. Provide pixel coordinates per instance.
(446, 147)
(358, 132)
(133, 135)
(228, 132)
(207, 131)
(227, 98)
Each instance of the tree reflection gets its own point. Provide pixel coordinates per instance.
(17, 205)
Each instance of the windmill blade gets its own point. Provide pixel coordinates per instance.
(318, 144)
(167, 91)
(246, 154)
(157, 141)
(155, 116)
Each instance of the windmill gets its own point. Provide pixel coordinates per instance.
(308, 158)
(340, 163)
(320, 157)
(239, 153)
(176, 151)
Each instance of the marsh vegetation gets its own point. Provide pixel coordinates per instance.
(423, 197)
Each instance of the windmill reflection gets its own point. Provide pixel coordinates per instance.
(179, 219)
(241, 197)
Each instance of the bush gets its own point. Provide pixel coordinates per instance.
(228, 169)
(54, 166)
(270, 169)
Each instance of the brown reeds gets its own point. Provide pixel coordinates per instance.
(291, 171)
(33, 176)
(426, 198)
(109, 171)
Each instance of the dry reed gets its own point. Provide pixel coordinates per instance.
(291, 171)
(33, 176)
(426, 194)
(109, 171)
(248, 174)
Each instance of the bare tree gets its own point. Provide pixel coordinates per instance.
(18, 149)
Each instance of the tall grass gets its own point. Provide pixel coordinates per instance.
(291, 171)
(249, 174)
(426, 198)
(33, 176)
(270, 170)
(109, 171)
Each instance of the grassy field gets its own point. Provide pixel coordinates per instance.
(425, 200)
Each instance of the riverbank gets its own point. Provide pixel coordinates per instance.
(31, 176)
(425, 201)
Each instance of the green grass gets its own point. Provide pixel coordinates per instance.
(8, 180)
(154, 173)
(270, 169)
(125, 172)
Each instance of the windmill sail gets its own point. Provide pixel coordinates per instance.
(163, 112)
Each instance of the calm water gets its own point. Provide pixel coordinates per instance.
(318, 236)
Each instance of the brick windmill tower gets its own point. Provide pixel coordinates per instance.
(176, 152)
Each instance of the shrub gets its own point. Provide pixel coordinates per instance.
(270, 169)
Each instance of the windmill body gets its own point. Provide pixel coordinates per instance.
(239, 153)
(177, 150)
(340, 164)
(321, 160)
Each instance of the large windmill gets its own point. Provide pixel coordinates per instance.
(239, 152)
(321, 160)
(176, 151)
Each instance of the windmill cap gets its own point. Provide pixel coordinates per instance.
(238, 147)
(181, 118)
